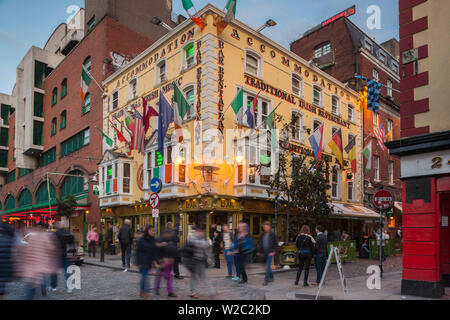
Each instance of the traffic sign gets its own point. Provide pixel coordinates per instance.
(155, 185)
(154, 200)
(383, 199)
(155, 213)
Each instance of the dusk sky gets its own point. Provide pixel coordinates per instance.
(24, 23)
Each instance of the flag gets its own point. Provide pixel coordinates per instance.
(367, 153)
(270, 121)
(229, 16)
(138, 138)
(250, 117)
(351, 151)
(166, 116)
(316, 141)
(336, 146)
(119, 134)
(231, 11)
(85, 82)
(379, 134)
(389, 135)
(238, 101)
(199, 21)
(108, 140)
(181, 107)
(149, 111)
(187, 4)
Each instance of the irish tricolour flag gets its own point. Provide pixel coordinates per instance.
(85, 82)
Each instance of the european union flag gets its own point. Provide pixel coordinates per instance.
(166, 116)
(373, 95)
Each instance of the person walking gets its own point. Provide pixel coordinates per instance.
(268, 245)
(305, 246)
(146, 258)
(63, 240)
(6, 256)
(227, 239)
(176, 240)
(196, 258)
(216, 240)
(110, 239)
(167, 253)
(126, 235)
(92, 240)
(320, 258)
(242, 248)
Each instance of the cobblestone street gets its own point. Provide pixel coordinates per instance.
(100, 283)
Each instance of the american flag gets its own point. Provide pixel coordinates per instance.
(137, 142)
(379, 134)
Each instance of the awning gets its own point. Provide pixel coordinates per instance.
(398, 206)
(352, 211)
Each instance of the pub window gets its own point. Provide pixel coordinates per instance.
(189, 55)
(376, 168)
(335, 178)
(335, 105)
(252, 64)
(317, 96)
(296, 125)
(115, 100)
(126, 177)
(297, 86)
(316, 125)
(162, 77)
(351, 113)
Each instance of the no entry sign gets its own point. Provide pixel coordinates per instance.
(383, 199)
(154, 200)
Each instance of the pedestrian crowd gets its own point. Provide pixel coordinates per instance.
(35, 259)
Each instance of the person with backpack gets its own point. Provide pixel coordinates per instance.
(242, 248)
(146, 258)
(126, 235)
(305, 246)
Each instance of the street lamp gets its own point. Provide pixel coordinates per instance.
(157, 21)
(269, 23)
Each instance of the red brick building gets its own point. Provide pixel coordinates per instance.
(341, 49)
(424, 146)
(71, 143)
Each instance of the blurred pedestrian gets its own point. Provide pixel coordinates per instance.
(6, 256)
(110, 239)
(146, 258)
(126, 235)
(167, 253)
(320, 258)
(242, 247)
(92, 240)
(197, 258)
(305, 246)
(399, 233)
(176, 240)
(216, 249)
(268, 245)
(345, 236)
(38, 260)
(227, 238)
(63, 240)
(381, 241)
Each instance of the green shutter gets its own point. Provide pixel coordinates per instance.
(4, 137)
(25, 199)
(38, 105)
(39, 74)
(4, 158)
(5, 111)
(38, 128)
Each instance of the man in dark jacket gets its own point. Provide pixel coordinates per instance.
(216, 248)
(268, 245)
(125, 240)
(321, 252)
(110, 239)
(6, 263)
(146, 257)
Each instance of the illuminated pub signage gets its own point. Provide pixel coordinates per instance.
(291, 99)
(346, 13)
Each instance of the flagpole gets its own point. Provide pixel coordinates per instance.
(92, 77)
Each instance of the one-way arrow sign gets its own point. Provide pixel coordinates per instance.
(155, 185)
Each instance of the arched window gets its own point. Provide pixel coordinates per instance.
(318, 96)
(87, 64)
(74, 185)
(189, 55)
(54, 124)
(25, 198)
(335, 105)
(54, 96)
(42, 193)
(252, 64)
(297, 85)
(86, 107)
(63, 88)
(10, 203)
(296, 125)
(63, 120)
(335, 183)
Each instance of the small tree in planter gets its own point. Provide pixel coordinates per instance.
(66, 206)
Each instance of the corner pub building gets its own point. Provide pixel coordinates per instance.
(211, 177)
